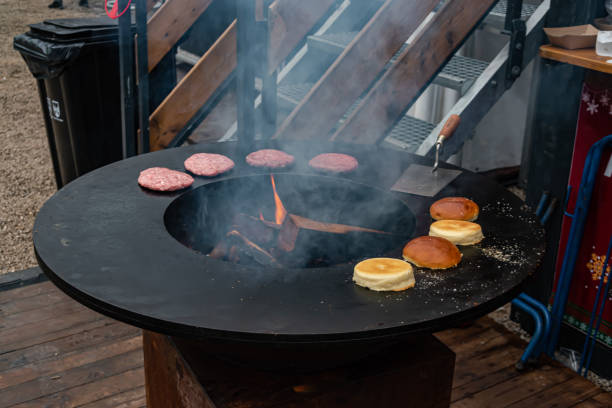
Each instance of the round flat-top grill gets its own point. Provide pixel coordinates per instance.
(125, 251)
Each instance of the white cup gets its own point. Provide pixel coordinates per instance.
(603, 46)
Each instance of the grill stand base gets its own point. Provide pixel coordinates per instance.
(180, 374)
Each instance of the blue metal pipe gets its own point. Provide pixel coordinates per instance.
(545, 314)
(536, 338)
(541, 204)
(549, 211)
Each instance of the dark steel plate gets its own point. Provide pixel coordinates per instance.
(103, 241)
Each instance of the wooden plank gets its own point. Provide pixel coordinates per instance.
(128, 399)
(54, 384)
(66, 306)
(586, 58)
(481, 365)
(68, 345)
(403, 82)
(61, 363)
(488, 380)
(562, 395)
(480, 344)
(194, 90)
(288, 22)
(32, 302)
(92, 391)
(604, 398)
(26, 291)
(40, 332)
(355, 69)
(168, 25)
(515, 389)
(591, 403)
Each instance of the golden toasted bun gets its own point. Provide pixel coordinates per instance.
(454, 208)
(432, 253)
(384, 274)
(457, 232)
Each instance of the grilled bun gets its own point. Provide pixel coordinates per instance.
(384, 274)
(457, 232)
(432, 253)
(454, 208)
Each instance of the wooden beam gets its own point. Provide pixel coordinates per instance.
(405, 80)
(194, 90)
(355, 69)
(288, 22)
(169, 24)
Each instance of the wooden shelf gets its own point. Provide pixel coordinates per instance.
(586, 58)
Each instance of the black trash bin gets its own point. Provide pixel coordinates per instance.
(76, 64)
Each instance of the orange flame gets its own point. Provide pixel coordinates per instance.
(280, 212)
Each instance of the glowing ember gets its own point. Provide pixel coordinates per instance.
(280, 212)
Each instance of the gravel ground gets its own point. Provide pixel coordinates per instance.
(25, 165)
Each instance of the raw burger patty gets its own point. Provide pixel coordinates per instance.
(163, 179)
(334, 162)
(269, 158)
(208, 164)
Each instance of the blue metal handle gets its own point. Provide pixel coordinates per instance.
(546, 318)
(541, 204)
(536, 338)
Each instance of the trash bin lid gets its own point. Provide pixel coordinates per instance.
(65, 30)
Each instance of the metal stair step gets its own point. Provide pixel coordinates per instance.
(289, 95)
(409, 133)
(333, 43)
(497, 16)
(459, 74)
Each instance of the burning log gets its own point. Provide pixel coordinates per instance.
(233, 255)
(253, 228)
(287, 236)
(220, 250)
(307, 223)
(260, 255)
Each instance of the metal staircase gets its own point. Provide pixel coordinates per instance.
(479, 84)
(462, 74)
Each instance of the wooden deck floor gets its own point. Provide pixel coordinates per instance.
(56, 353)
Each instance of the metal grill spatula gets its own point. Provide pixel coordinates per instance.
(427, 181)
